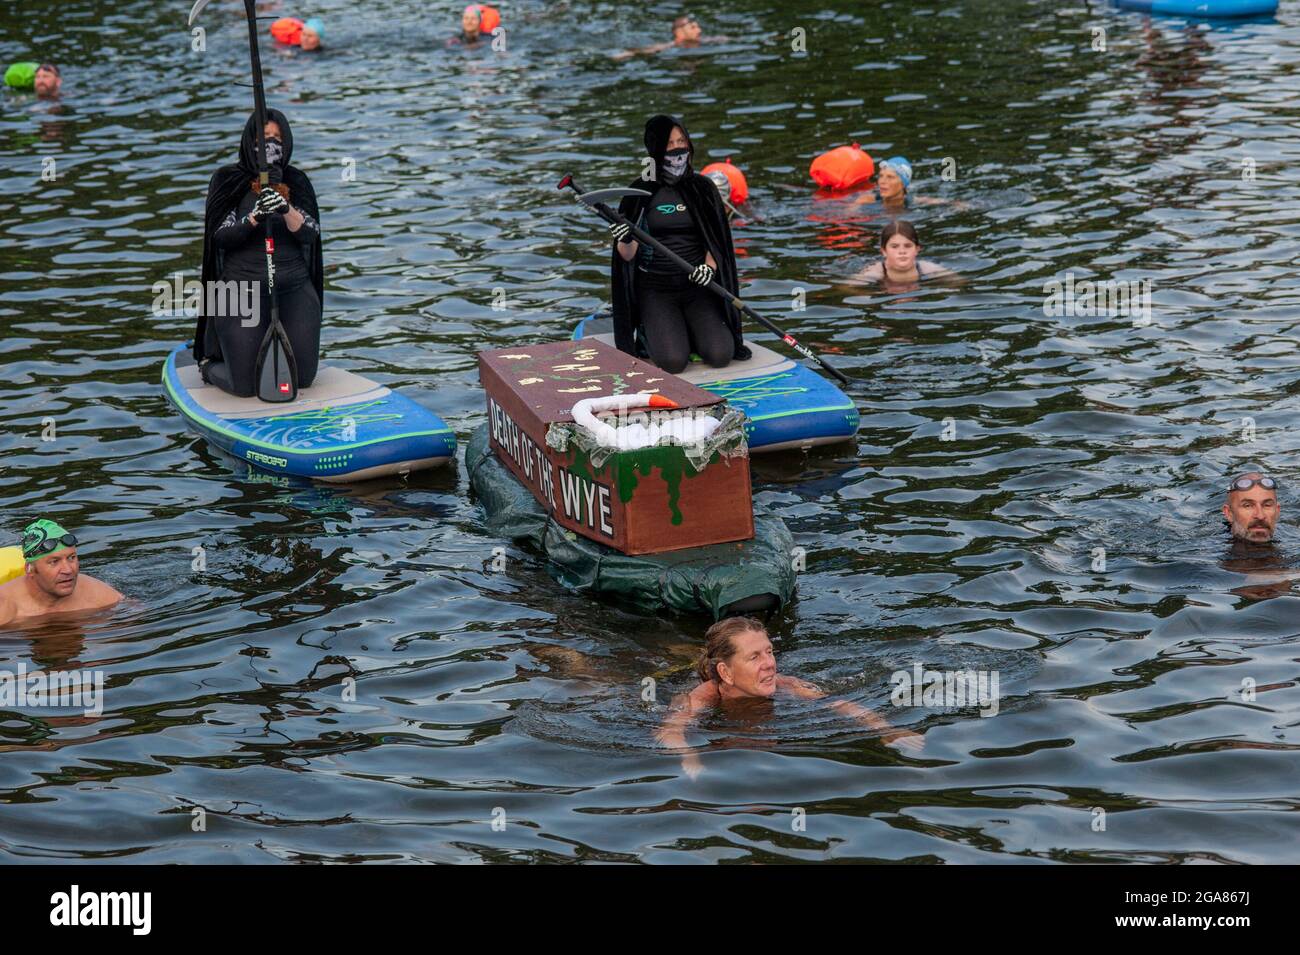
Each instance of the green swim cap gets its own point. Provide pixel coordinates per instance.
(37, 538)
(21, 76)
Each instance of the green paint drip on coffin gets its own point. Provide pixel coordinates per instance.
(669, 459)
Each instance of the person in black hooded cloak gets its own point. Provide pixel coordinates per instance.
(660, 311)
(226, 347)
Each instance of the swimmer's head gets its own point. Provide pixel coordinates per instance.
(894, 178)
(470, 21)
(738, 656)
(1251, 508)
(51, 556)
(313, 34)
(899, 244)
(686, 29)
(719, 179)
(47, 81)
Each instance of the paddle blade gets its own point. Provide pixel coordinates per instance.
(276, 370)
(196, 10)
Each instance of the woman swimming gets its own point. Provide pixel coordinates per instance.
(737, 665)
(894, 189)
(899, 265)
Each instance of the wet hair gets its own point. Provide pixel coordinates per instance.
(682, 21)
(899, 227)
(720, 644)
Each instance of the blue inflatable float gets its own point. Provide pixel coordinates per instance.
(343, 428)
(786, 404)
(1210, 9)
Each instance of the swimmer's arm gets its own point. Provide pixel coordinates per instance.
(682, 713)
(7, 612)
(865, 198)
(872, 273)
(939, 201)
(809, 691)
(642, 51)
(101, 594)
(934, 271)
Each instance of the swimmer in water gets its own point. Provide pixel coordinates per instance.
(899, 265)
(738, 664)
(52, 583)
(476, 22)
(686, 33)
(1251, 508)
(43, 78)
(313, 34)
(894, 189)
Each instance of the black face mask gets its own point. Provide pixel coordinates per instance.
(675, 163)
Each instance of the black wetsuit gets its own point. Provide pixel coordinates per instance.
(243, 259)
(678, 316)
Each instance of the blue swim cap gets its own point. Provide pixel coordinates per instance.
(317, 26)
(900, 167)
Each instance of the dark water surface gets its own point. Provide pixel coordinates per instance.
(483, 695)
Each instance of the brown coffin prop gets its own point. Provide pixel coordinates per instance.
(638, 502)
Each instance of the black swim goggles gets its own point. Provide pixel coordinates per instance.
(37, 543)
(1245, 484)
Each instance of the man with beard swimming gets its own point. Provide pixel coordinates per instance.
(737, 665)
(1251, 508)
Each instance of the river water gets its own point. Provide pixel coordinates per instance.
(344, 674)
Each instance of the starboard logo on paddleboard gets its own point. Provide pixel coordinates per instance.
(266, 459)
(74, 907)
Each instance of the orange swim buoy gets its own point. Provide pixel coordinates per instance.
(842, 167)
(287, 30)
(488, 18)
(739, 188)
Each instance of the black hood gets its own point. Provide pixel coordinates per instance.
(248, 142)
(658, 129)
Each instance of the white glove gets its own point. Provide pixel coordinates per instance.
(702, 275)
(620, 230)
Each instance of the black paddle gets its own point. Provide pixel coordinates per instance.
(595, 200)
(276, 370)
